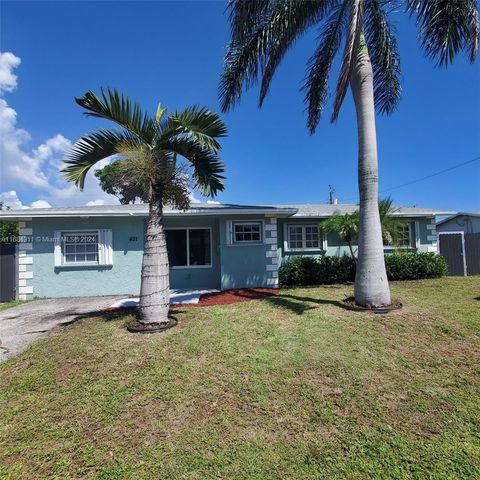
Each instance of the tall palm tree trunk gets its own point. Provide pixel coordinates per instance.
(155, 287)
(371, 285)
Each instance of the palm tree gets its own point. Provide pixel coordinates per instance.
(345, 225)
(263, 31)
(147, 149)
(392, 226)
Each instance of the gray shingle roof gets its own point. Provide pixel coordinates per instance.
(323, 210)
(295, 210)
(142, 210)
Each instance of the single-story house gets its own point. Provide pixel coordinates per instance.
(97, 250)
(466, 222)
(459, 242)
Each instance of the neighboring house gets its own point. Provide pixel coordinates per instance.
(459, 243)
(97, 250)
(461, 222)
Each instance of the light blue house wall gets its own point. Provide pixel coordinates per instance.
(233, 265)
(333, 245)
(245, 266)
(123, 277)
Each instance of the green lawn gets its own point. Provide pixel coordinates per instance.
(291, 387)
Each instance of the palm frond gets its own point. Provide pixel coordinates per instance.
(447, 27)
(319, 65)
(207, 166)
(382, 48)
(197, 124)
(244, 15)
(345, 225)
(351, 47)
(120, 109)
(297, 17)
(92, 148)
(275, 27)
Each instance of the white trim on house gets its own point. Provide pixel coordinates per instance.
(104, 251)
(230, 233)
(244, 223)
(23, 276)
(141, 210)
(322, 239)
(188, 266)
(272, 263)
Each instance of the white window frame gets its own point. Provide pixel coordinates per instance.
(104, 251)
(417, 238)
(322, 239)
(187, 229)
(231, 233)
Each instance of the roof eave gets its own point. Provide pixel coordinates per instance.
(52, 213)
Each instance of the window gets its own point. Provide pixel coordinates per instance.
(83, 247)
(189, 247)
(406, 237)
(303, 237)
(247, 232)
(80, 247)
(177, 247)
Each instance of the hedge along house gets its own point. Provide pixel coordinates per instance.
(97, 250)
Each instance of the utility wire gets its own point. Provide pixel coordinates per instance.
(453, 167)
(458, 165)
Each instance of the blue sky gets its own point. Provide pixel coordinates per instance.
(172, 52)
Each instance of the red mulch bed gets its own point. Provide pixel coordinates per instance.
(233, 296)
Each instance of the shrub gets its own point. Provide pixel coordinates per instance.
(311, 271)
(299, 271)
(414, 266)
(327, 270)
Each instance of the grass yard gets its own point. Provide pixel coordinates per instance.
(290, 387)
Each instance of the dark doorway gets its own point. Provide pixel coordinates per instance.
(452, 249)
(472, 253)
(8, 271)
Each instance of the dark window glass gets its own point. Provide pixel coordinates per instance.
(247, 232)
(199, 240)
(177, 247)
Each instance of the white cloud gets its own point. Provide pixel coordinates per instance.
(8, 81)
(40, 204)
(93, 203)
(38, 168)
(10, 199)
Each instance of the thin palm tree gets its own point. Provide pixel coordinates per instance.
(263, 31)
(392, 226)
(346, 226)
(147, 149)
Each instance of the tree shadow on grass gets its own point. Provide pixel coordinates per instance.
(113, 314)
(299, 304)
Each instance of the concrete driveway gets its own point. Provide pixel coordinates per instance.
(22, 325)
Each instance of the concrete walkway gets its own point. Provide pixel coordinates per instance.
(22, 325)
